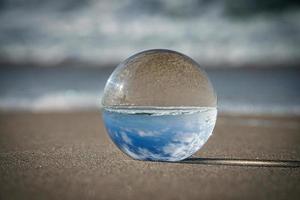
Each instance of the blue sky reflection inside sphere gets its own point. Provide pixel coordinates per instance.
(162, 135)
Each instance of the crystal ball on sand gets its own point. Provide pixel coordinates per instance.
(159, 105)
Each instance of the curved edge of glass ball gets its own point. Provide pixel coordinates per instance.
(159, 105)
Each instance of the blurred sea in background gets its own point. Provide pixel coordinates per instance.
(240, 91)
(57, 55)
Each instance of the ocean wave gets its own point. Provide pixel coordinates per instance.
(66, 101)
(52, 102)
(109, 31)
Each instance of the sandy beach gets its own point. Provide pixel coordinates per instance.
(63, 61)
(69, 156)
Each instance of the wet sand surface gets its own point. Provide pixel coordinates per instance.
(69, 156)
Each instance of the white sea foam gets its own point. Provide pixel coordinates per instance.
(157, 111)
(64, 102)
(51, 102)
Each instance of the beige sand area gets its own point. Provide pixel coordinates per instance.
(69, 156)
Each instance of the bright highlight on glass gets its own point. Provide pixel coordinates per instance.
(159, 105)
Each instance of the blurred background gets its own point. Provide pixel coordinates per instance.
(57, 55)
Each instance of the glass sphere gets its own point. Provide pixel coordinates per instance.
(159, 105)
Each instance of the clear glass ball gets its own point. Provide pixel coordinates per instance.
(159, 105)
